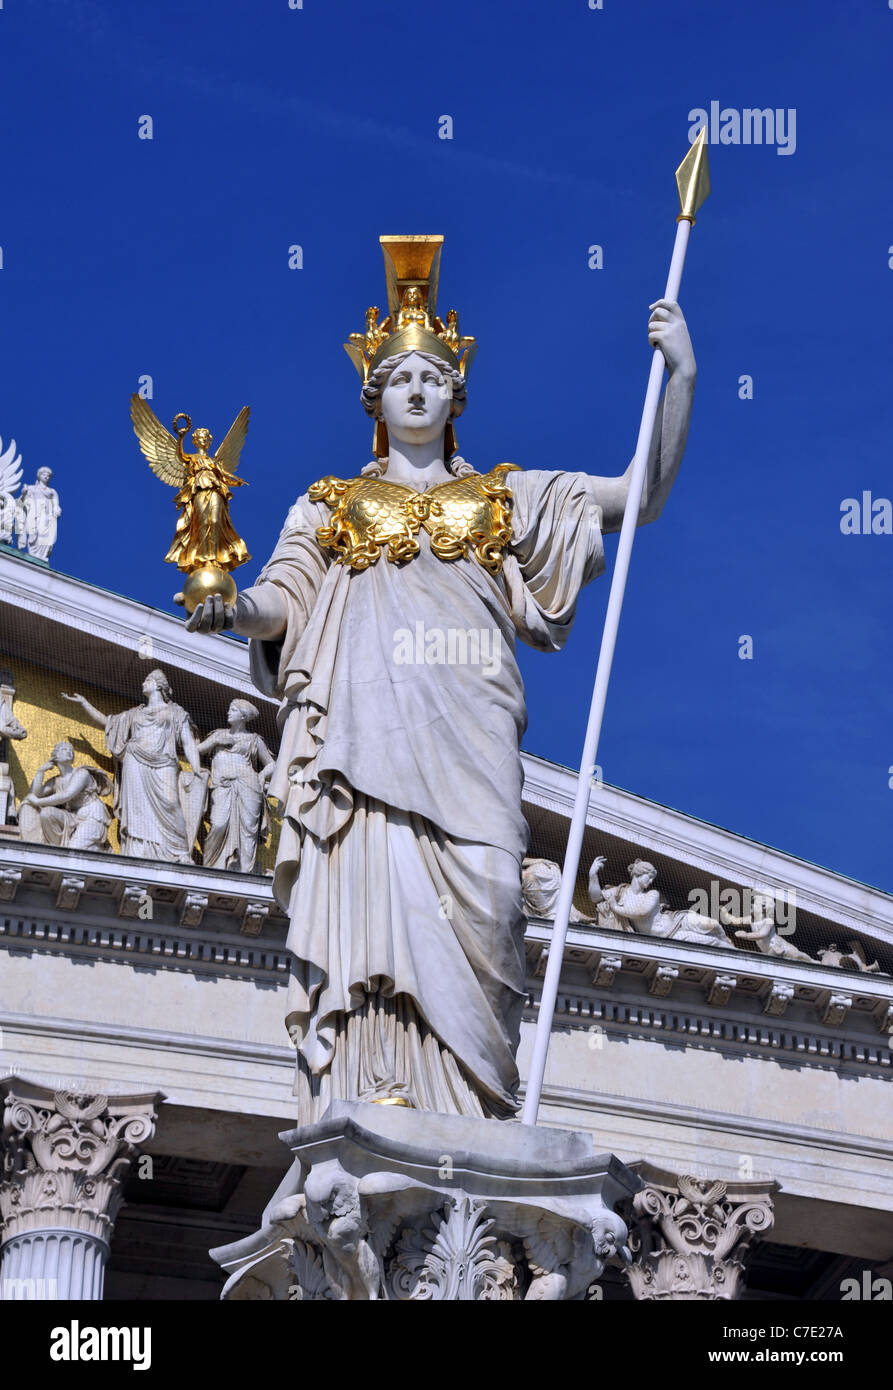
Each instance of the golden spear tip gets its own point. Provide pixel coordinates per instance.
(693, 178)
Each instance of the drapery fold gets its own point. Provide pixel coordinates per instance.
(400, 781)
(145, 743)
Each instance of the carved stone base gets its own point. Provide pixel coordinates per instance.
(388, 1203)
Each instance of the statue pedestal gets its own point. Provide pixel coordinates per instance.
(389, 1203)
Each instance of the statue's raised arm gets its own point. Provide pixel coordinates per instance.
(668, 333)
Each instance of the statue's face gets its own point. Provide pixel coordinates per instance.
(201, 438)
(415, 403)
(234, 716)
(62, 753)
(44, 475)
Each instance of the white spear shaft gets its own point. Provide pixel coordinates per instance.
(693, 183)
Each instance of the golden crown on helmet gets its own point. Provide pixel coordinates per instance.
(412, 270)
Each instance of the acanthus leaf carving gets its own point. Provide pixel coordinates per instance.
(65, 1155)
(456, 1260)
(692, 1236)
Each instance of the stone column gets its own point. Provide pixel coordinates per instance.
(65, 1157)
(690, 1237)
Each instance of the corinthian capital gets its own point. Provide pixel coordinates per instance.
(65, 1156)
(690, 1237)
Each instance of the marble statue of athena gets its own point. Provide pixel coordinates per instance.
(399, 774)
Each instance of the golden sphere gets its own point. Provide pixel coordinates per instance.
(204, 582)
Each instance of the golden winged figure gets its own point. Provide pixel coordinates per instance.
(205, 545)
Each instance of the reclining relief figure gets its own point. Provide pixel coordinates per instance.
(637, 906)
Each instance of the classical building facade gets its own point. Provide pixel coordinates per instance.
(731, 1044)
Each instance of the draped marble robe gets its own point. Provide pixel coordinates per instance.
(399, 862)
(238, 806)
(145, 743)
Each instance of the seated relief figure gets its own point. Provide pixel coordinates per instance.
(159, 807)
(399, 862)
(540, 883)
(67, 809)
(241, 767)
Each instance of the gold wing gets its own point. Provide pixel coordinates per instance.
(158, 446)
(227, 455)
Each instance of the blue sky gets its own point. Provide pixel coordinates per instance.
(318, 126)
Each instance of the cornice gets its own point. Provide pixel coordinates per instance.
(83, 888)
(197, 952)
(586, 945)
(719, 995)
(689, 1026)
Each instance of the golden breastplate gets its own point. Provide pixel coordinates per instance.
(466, 515)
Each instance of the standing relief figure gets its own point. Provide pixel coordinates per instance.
(67, 809)
(241, 767)
(159, 807)
(403, 835)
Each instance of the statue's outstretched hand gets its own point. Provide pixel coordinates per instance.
(211, 616)
(668, 331)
